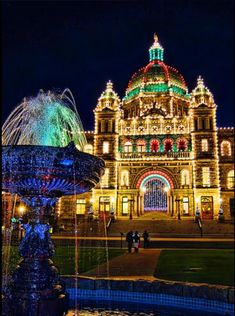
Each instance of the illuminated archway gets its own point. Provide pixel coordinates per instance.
(155, 185)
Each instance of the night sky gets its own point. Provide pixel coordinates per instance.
(81, 45)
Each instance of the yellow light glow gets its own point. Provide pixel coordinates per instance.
(21, 209)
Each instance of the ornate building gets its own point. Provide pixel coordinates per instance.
(162, 148)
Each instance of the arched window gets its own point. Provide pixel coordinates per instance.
(88, 149)
(184, 177)
(141, 145)
(226, 148)
(154, 145)
(128, 147)
(230, 179)
(168, 144)
(182, 144)
(125, 178)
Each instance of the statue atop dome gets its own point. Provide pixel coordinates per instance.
(155, 37)
(156, 50)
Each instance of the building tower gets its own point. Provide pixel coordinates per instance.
(204, 145)
(107, 114)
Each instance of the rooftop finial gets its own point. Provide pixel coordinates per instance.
(109, 85)
(200, 81)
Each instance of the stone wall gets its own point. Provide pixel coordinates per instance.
(204, 291)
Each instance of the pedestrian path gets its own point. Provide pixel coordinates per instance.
(139, 265)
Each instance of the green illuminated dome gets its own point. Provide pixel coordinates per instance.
(156, 77)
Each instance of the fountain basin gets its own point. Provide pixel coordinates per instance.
(33, 170)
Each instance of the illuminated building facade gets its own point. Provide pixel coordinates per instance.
(162, 148)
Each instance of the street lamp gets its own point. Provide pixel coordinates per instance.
(166, 189)
(143, 189)
(21, 210)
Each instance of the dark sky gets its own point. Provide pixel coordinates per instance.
(81, 45)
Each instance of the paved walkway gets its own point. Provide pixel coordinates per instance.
(130, 265)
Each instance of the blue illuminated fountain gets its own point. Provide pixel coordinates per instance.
(40, 163)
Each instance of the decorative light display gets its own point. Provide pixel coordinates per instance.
(154, 145)
(156, 77)
(168, 144)
(155, 197)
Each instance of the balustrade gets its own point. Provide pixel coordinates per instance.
(132, 155)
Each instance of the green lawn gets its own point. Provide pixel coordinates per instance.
(64, 258)
(199, 266)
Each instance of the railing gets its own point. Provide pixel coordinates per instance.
(155, 154)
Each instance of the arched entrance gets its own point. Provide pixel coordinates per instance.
(155, 187)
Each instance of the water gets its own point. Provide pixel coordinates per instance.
(43, 166)
(49, 119)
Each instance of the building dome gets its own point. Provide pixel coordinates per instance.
(156, 77)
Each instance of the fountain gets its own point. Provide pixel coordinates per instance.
(40, 163)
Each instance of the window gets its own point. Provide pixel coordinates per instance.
(185, 205)
(88, 149)
(124, 205)
(230, 179)
(196, 124)
(205, 176)
(141, 146)
(104, 204)
(154, 145)
(226, 148)
(203, 123)
(105, 179)
(125, 178)
(182, 144)
(105, 147)
(184, 177)
(128, 147)
(80, 206)
(106, 126)
(204, 145)
(168, 145)
(211, 123)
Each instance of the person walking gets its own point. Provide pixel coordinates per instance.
(129, 240)
(136, 241)
(146, 239)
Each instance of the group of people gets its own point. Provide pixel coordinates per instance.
(133, 240)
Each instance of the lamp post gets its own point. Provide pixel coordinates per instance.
(112, 214)
(197, 212)
(131, 206)
(177, 200)
(21, 212)
(166, 190)
(90, 211)
(221, 212)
